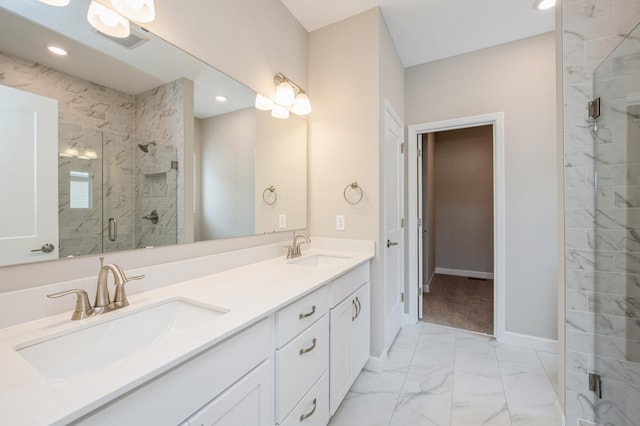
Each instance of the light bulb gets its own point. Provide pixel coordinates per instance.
(302, 105)
(263, 103)
(57, 50)
(284, 94)
(221, 98)
(136, 10)
(107, 21)
(279, 111)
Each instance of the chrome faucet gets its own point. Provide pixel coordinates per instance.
(103, 302)
(293, 250)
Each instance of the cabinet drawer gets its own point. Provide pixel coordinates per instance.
(313, 409)
(291, 320)
(343, 286)
(300, 364)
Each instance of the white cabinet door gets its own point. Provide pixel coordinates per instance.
(249, 402)
(340, 353)
(29, 183)
(360, 331)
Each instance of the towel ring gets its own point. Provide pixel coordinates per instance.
(272, 190)
(353, 185)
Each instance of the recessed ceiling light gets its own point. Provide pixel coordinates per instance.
(57, 50)
(544, 4)
(221, 98)
(55, 2)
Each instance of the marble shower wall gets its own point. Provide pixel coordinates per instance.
(160, 116)
(601, 235)
(87, 113)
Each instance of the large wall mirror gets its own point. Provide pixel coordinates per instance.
(131, 143)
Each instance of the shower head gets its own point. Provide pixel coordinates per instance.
(145, 147)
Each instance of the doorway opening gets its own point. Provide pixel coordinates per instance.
(416, 218)
(455, 196)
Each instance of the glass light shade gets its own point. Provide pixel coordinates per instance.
(279, 111)
(91, 154)
(263, 103)
(71, 152)
(107, 21)
(544, 4)
(136, 10)
(302, 105)
(284, 94)
(55, 2)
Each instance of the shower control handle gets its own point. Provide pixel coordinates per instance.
(46, 248)
(153, 217)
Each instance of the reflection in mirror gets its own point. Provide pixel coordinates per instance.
(144, 153)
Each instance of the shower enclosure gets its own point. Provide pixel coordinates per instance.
(603, 317)
(109, 187)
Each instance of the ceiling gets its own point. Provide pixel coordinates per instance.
(428, 30)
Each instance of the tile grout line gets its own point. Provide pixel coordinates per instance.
(453, 372)
(504, 389)
(555, 388)
(413, 353)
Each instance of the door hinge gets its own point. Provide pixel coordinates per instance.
(419, 222)
(402, 297)
(419, 153)
(402, 223)
(595, 384)
(402, 148)
(593, 108)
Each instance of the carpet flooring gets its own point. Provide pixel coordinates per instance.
(460, 302)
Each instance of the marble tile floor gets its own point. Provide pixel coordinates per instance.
(439, 376)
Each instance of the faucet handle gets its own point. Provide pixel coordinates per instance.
(83, 306)
(120, 298)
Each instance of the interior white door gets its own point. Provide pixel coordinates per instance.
(420, 229)
(393, 232)
(29, 184)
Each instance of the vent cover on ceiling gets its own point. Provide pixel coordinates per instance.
(134, 40)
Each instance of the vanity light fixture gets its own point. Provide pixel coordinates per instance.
(544, 4)
(136, 10)
(57, 50)
(58, 3)
(279, 111)
(263, 103)
(289, 97)
(107, 21)
(221, 98)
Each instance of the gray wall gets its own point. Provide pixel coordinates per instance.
(464, 199)
(519, 79)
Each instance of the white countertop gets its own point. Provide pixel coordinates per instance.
(249, 293)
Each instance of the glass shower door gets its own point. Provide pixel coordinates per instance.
(614, 303)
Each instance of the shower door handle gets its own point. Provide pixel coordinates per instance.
(113, 229)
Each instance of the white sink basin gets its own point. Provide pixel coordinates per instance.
(319, 260)
(108, 342)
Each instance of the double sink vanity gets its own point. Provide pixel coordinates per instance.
(276, 341)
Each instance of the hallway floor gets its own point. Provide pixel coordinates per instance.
(460, 302)
(438, 376)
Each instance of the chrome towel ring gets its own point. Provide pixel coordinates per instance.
(357, 198)
(274, 195)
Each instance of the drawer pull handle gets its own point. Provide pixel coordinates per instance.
(313, 311)
(354, 316)
(310, 413)
(312, 347)
(359, 307)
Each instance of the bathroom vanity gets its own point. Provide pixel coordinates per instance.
(272, 342)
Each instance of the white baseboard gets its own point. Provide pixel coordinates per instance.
(376, 364)
(425, 288)
(533, 342)
(463, 273)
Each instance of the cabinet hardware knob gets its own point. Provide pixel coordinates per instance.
(309, 349)
(310, 413)
(313, 311)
